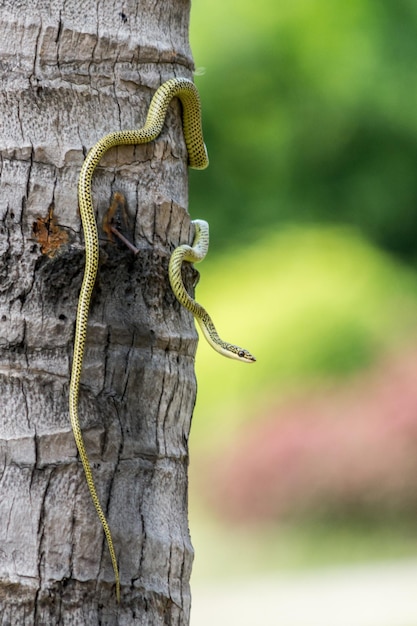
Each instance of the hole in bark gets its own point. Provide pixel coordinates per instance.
(62, 317)
(3, 318)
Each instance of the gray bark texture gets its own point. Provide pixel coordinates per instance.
(72, 71)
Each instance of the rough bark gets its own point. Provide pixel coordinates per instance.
(71, 72)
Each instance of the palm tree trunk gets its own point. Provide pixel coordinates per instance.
(71, 74)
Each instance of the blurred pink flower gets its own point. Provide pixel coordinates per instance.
(348, 451)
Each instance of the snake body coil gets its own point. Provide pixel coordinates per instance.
(197, 156)
(194, 254)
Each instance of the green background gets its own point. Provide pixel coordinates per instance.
(309, 115)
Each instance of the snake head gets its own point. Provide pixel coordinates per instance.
(240, 354)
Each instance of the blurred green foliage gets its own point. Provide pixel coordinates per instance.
(309, 111)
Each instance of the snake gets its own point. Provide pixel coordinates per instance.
(194, 254)
(187, 93)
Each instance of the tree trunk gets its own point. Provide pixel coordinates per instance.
(71, 72)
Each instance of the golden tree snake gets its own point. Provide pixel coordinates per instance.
(187, 93)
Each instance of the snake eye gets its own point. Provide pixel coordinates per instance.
(241, 354)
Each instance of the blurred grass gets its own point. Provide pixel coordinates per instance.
(313, 304)
(223, 552)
